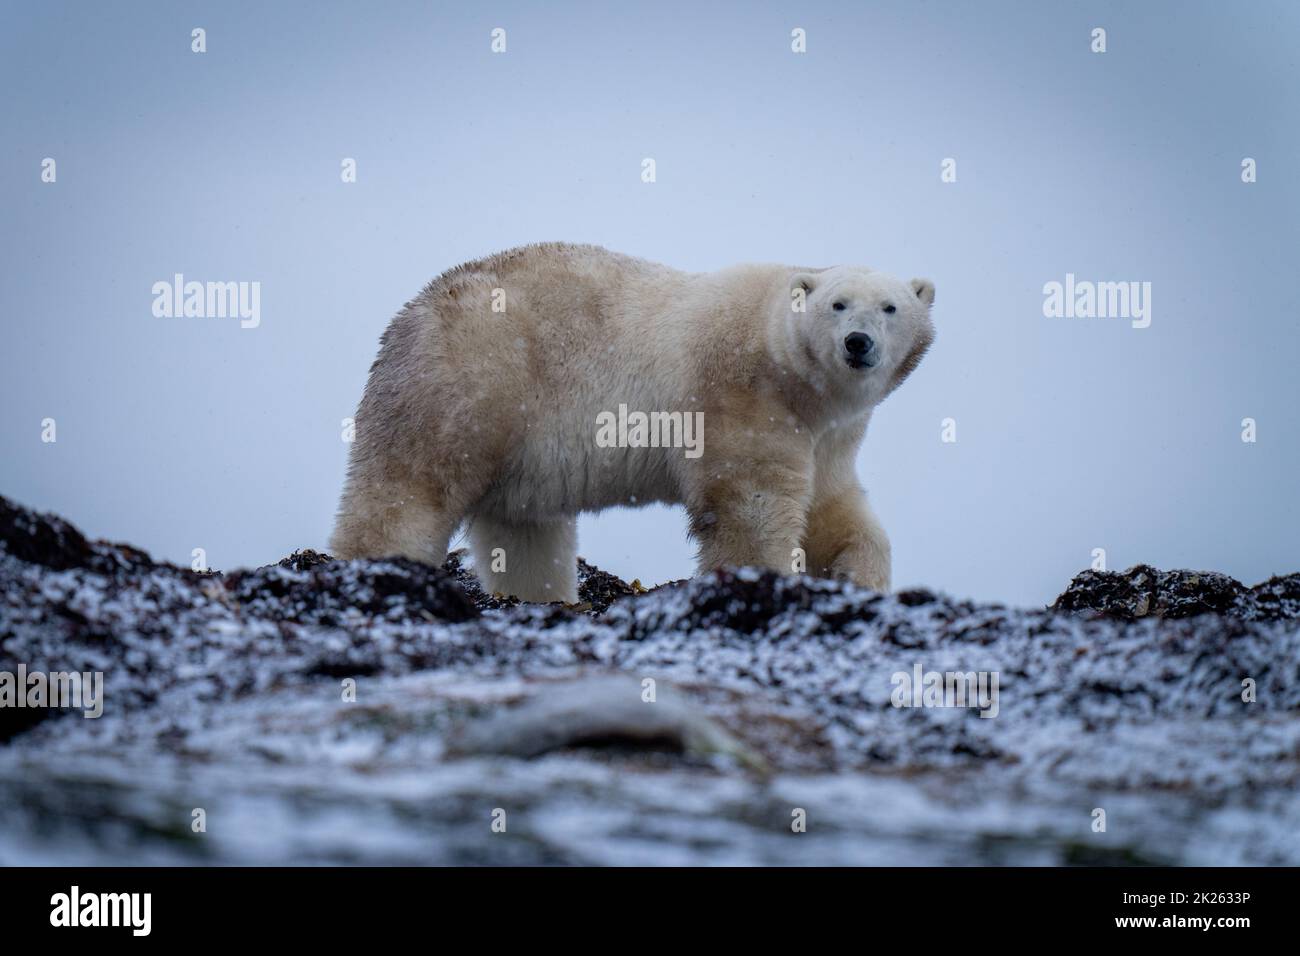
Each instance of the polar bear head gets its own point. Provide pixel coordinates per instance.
(859, 331)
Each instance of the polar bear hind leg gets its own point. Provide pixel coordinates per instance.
(384, 522)
(531, 560)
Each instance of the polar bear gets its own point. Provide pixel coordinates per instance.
(517, 391)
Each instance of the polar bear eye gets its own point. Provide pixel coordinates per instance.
(889, 309)
(838, 306)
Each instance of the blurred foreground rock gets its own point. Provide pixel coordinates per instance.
(323, 711)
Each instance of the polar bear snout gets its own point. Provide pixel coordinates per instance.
(861, 349)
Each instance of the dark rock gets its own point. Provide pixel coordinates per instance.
(51, 542)
(305, 560)
(42, 539)
(1277, 599)
(330, 593)
(915, 597)
(1130, 594)
(1143, 591)
(455, 566)
(599, 589)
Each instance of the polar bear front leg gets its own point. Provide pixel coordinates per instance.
(845, 540)
(752, 514)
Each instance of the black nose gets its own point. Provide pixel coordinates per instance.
(858, 343)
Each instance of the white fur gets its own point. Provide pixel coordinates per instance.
(492, 417)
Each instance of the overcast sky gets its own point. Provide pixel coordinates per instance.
(1071, 434)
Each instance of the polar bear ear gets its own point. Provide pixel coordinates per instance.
(802, 280)
(924, 290)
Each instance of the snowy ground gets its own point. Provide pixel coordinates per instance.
(483, 732)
